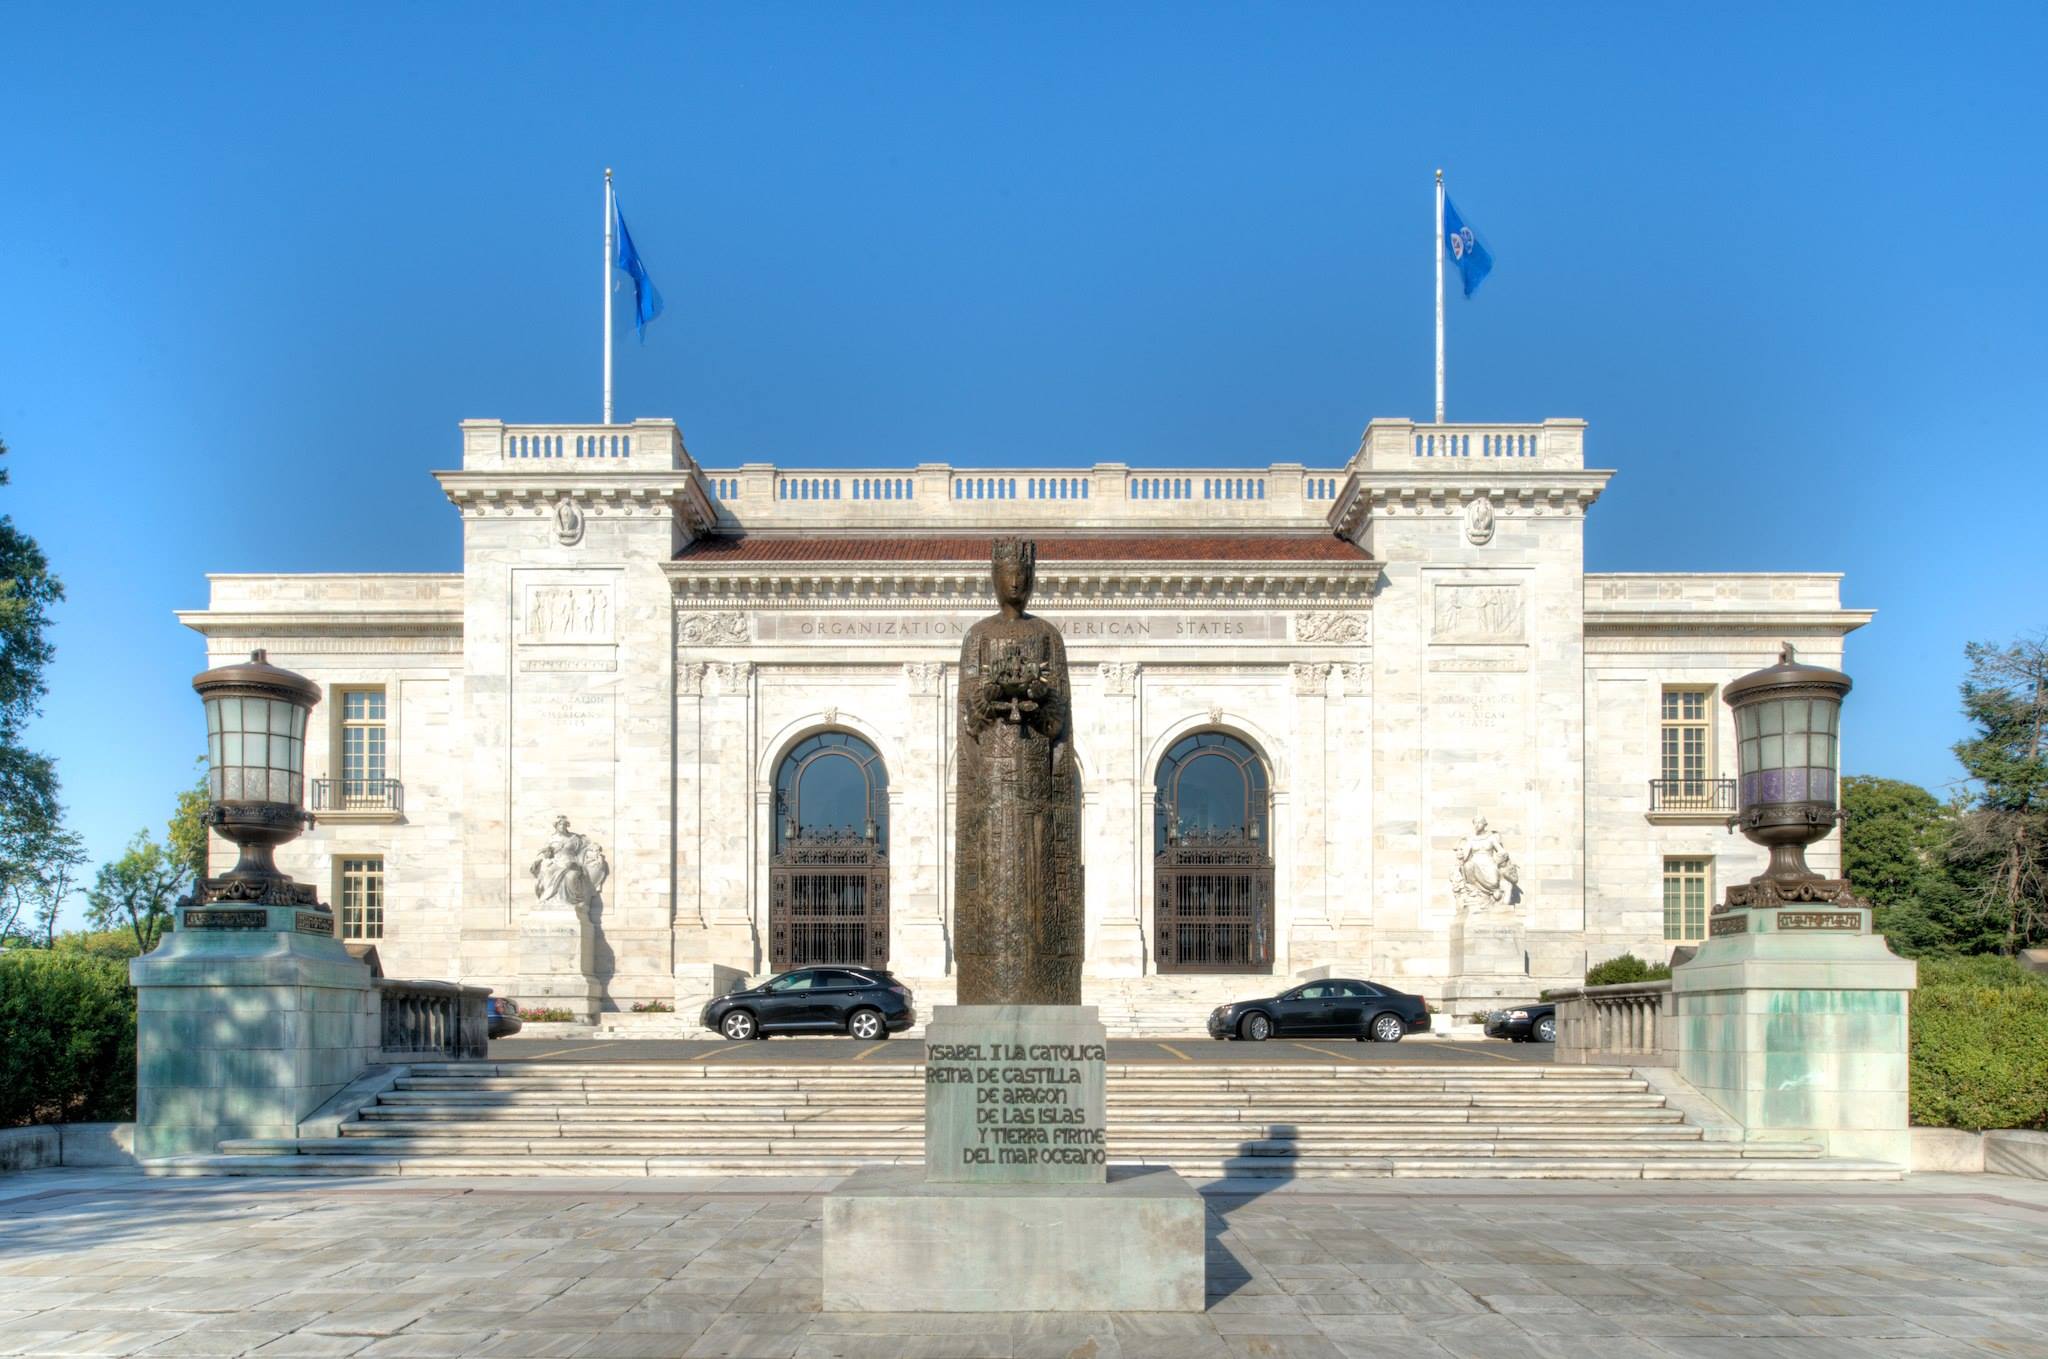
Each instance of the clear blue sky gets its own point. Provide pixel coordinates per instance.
(256, 261)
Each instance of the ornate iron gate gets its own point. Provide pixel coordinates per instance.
(828, 901)
(1213, 904)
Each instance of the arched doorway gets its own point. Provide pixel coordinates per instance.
(828, 879)
(1212, 865)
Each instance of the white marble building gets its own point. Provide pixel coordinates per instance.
(1294, 690)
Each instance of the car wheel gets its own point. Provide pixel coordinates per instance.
(738, 1026)
(1546, 1029)
(1388, 1029)
(1256, 1028)
(867, 1025)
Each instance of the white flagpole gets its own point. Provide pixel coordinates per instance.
(1437, 252)
(608, 297)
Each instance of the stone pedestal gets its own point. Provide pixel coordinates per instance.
(1017, 1209)
(896, 1243)
(1793, 1020)
(1488, 965)
(557, 963)
(248, 1018)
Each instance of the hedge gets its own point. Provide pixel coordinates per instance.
(1979, 1045)
(1626, 968)
(67, 1039)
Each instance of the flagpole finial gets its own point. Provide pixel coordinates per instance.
(1439, 176)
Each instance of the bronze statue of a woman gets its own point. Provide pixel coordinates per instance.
(1017, 866)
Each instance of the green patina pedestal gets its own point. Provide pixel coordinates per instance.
(1792, 1018)
(248, 1018)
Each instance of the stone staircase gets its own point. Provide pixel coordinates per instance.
(1206, 1120)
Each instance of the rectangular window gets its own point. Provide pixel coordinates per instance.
(1687, 883)
(1686, 755)
(363, 748)
(362, 898)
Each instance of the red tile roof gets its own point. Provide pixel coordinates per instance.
(1217, 547)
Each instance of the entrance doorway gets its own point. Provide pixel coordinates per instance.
(828, 879)
(1212, 867)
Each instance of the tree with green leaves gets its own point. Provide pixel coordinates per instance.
(1895, 848)
(137, 891)
(38, 857)
(188, 830)
(2001, 842)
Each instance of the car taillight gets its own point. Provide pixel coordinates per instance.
(899, 989)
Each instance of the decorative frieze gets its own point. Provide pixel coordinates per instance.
(1476, 613)
(711, 629)
(1342, 628)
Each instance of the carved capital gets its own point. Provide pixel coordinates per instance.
(1357, 678)
(732, 675)
(1311, 678)
(1119, 677)
(690, 677)
(923, 677)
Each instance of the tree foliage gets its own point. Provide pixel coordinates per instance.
(138, 891)
(1895, 853)
(2001, 840)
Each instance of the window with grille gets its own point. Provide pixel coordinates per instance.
(363, 748)
(362, 898)
(1687, 885)
(1687, 744)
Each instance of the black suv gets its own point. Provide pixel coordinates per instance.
(1334, 1006)
(865, 1002)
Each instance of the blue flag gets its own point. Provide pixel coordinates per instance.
(646, 297)
(1467, 251)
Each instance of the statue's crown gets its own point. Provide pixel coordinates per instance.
(1020, 550)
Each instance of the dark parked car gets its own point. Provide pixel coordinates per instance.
(1524, 1024)
(1336, 1005)
(502, 1017)
(865, 1002)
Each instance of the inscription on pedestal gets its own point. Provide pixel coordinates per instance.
(1016, 1098)
(218, 919)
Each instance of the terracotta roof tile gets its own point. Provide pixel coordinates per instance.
(1220, 547)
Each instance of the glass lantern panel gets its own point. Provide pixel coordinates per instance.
(231, 748)
(213, 783)
(213, 750)
(280, 717)
(298, 724)
(1829, 713)
(280, 752)
(1748, 720)
(298, 790)
(298, 753)
(280, 786)
(212, 715)
(1771, 718)
(255, 716)
(231, 714)
(1824, 751)
(1773, 753)
(232, 791)
(1795, 750)
(1749, 757)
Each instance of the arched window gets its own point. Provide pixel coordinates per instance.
(829, 876)
(1212, 858)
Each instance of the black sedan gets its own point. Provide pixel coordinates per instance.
(501, 1017)
(1335, 1006)
(865, 1002)
(1524, 1024)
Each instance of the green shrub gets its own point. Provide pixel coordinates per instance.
(67, 1039)
(1979, 1031)
(117, 945)
(1626, 968)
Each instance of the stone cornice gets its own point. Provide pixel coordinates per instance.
(954, 585)
(626, 494)
(1427, 491)
(356, 622)
(1707, 622)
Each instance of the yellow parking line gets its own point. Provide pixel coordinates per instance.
(1328, 1052)
(1175, 1051)
(723, 1047)
(578, 1048)
(867, 1051)
(1498, 1057)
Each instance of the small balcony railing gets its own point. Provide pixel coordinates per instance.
(1692, 795)
(358, 795)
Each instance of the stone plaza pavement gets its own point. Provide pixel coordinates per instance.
(96, 1263)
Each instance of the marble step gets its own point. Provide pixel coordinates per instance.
(1397, 1167)
(1659, 1133)
(1126, 1148)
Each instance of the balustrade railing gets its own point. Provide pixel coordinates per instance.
(1622, 1025)
(432, 1019)
(1692, 795)
(358, 795)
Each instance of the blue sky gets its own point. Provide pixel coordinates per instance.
(255, 263)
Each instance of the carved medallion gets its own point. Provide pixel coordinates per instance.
(568, 522)
(1479, 521)
(712, 629)
(1329, 627)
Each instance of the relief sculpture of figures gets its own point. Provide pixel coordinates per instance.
(1017, 876)
(1485, 875)
(570, 869)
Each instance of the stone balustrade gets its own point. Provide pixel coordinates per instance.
(436, 1019)
(1615, 1025)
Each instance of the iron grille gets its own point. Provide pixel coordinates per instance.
(1213, 905)
(828, 902)
(358, 795)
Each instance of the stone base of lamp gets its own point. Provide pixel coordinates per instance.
(248, 1018)
(1792, 1018)
(557, 963)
